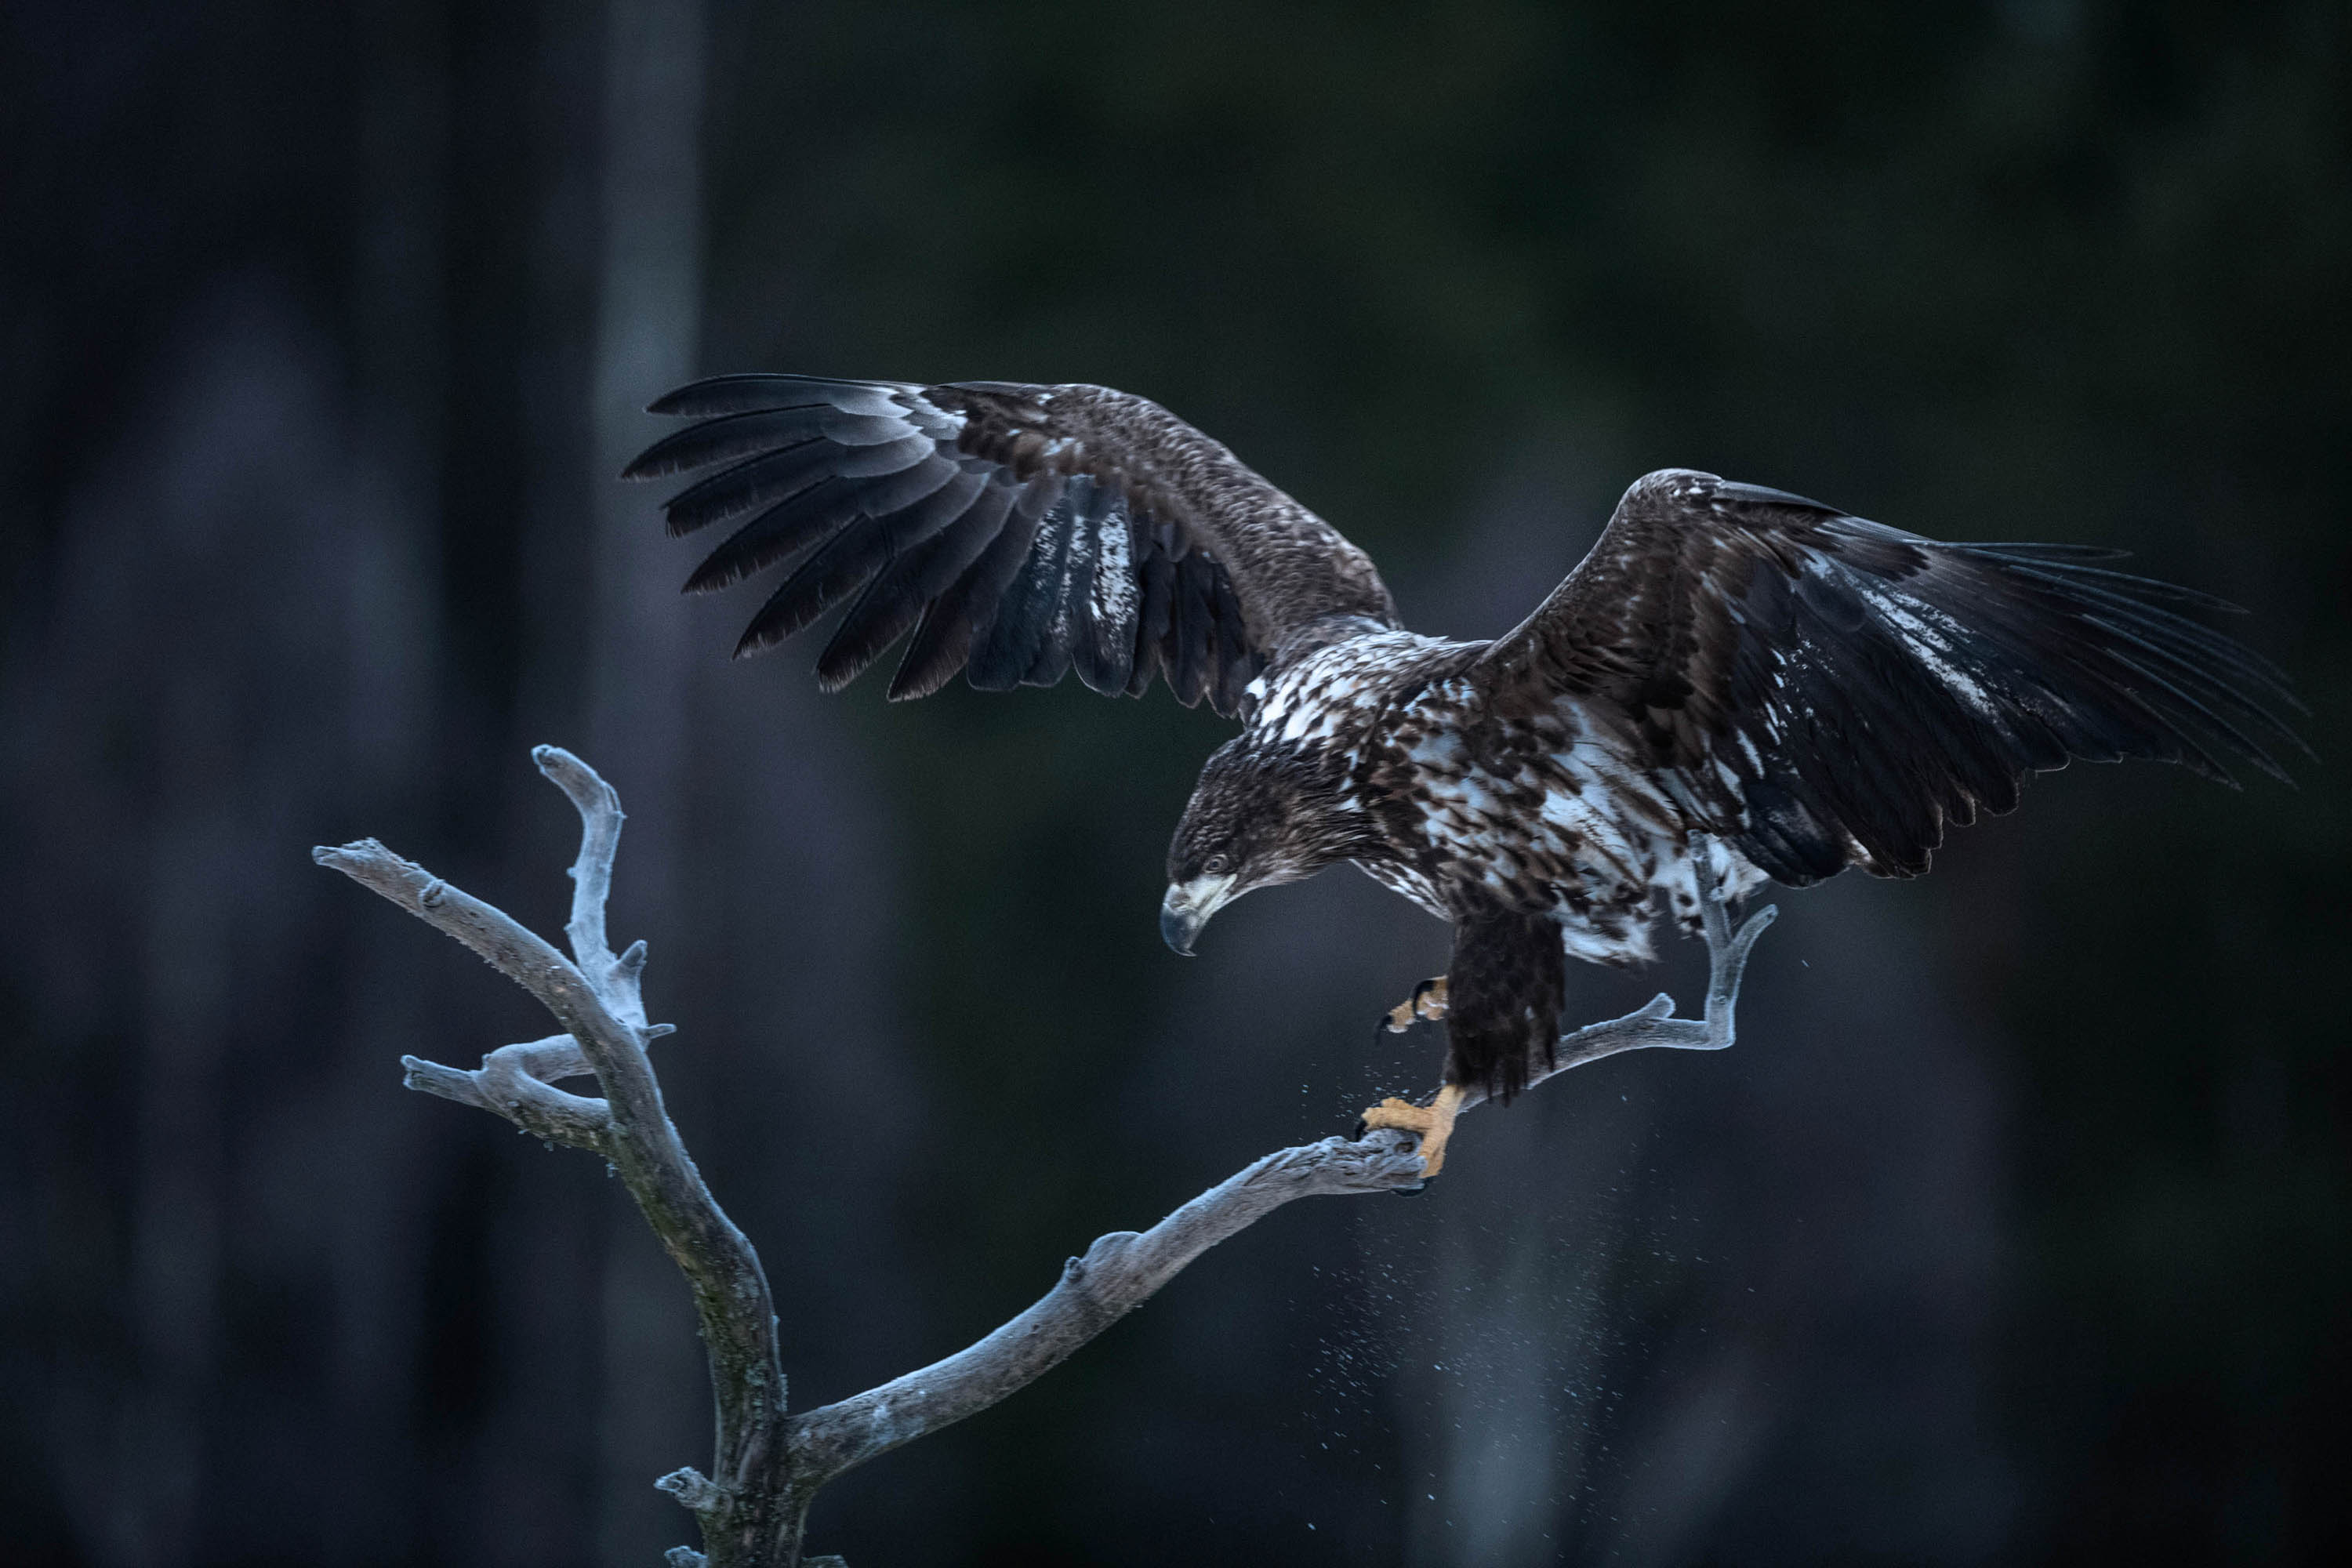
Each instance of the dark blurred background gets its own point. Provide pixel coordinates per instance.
(2015, 1231)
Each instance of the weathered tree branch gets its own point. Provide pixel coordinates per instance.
(768, 1468)
(1123, 1269)
(1653, 1025)
(750, 1512)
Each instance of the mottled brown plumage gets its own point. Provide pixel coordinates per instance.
(1732, 672)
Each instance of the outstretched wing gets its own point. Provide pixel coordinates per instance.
(1827, 691)
(1016, 530)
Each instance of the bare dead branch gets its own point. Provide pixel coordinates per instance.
(1120, 1271)
(768, 1468)
(748, 1512)
(518, 1083)
(1652, 1026)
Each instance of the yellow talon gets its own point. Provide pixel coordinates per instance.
(1426, 1005)
(1434, 1122)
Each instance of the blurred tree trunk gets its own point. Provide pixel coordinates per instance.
(647, 316)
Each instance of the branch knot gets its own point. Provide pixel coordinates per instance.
(694, 1489)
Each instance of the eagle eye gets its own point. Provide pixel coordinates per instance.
(1217, 864)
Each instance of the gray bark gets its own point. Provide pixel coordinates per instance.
(749, 1510)
(768, 1466)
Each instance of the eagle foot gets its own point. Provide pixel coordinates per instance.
(1434, 1122)
(1425, 1006)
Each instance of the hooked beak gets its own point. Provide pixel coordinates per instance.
(1187, 907)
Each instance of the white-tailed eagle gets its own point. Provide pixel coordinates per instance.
(1732, 672)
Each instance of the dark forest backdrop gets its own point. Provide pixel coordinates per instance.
(2015, 1229)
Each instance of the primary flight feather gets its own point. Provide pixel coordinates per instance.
(1732, 672)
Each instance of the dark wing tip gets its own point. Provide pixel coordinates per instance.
(1685, 486)
(757, 638)
(747, 392)
(2042, 552)
(1764, 495)
(722, 402)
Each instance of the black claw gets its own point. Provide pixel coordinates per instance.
(1412, 1191)
(1361, 1130)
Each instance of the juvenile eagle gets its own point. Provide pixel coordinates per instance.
(1732, 672)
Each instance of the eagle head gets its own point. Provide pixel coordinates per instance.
(1257, 818)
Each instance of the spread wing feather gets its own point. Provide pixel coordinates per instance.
(1016, 531)
(1827, 691)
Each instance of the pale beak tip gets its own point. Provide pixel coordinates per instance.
(1178, 929)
